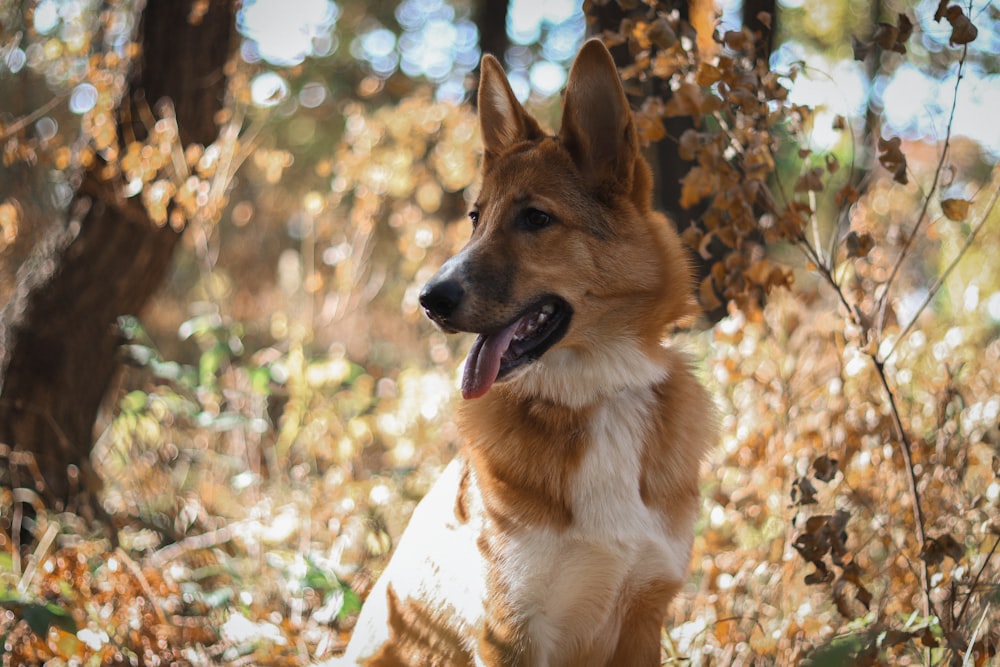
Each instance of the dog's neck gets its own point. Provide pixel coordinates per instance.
(577, 379)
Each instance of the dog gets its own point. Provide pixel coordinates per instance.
(563, 528)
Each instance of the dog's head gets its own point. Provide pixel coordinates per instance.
(568, 266)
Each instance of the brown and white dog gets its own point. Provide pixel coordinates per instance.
(564, 527)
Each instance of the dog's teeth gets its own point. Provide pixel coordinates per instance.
(529, 326)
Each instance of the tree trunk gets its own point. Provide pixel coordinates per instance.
(753, 10)
(491, 20)
(58, 335)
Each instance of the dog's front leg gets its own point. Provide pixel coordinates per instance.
(642, 626)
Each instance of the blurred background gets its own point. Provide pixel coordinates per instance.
(224, 484)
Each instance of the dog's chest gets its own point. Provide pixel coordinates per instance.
(577, 576)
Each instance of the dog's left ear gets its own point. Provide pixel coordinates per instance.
(597, 126)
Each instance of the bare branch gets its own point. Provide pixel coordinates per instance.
(904, 253)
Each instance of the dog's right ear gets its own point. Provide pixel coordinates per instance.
(503, 120)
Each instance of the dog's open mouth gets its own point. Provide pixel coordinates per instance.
(496, 354)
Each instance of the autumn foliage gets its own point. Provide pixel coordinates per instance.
(286, 405)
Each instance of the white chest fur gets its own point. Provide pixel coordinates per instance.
(573, 579)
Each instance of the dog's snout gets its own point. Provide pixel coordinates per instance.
(440, 299)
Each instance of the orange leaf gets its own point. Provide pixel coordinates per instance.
(707, 294)
(707, 75)
(955, 209)
(696, 185)
(686, 101)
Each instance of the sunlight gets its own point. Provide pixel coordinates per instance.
(283, 31)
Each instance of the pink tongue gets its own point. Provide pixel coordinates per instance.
(483, 362)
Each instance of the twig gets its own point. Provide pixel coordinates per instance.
(193, 543)
(136, 571)
(884, 299)
(911, 478)
(936, 287)
(975, 582)
(969, 653)
(25, 121)
(43, 546)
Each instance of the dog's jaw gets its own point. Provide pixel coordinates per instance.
(496, 355)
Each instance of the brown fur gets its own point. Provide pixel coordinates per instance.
(562, 532)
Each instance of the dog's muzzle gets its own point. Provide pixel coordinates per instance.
(440, 299)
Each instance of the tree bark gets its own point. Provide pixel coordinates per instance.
(58, 334)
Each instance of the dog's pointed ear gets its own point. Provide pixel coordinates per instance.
(597, 126)
(503, 120)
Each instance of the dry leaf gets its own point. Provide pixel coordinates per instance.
(811, 181)
(885, 36)
(696, 185)
(686, 101)
(962, 29)
(846, 195)
(942, 10)
(737, 40)
(955, 209)
(707, 74)
(859, 245)
(824, 468)
(905, 30)
(892, 158)
(689, 144)
(708, 296)
(661, 34)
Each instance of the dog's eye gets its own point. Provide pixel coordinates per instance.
(532, 218)
(474, 217)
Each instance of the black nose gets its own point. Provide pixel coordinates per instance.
(440, 299)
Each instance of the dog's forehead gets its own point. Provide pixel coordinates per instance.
(542, 169)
